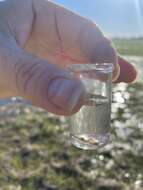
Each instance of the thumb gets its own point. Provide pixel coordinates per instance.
(44, 84)
(48, 86)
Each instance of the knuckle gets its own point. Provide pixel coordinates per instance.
(25, 75)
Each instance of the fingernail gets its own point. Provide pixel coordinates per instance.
(59, 86)
(64, 87)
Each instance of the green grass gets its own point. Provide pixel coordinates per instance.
(35, 154)
(129, 46)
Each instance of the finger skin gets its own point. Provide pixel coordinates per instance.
(128, 73)
(35, 82)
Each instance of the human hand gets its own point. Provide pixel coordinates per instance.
(37, 40)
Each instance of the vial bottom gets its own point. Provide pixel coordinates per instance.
(90, 141)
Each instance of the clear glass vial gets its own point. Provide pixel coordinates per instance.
(90, 127)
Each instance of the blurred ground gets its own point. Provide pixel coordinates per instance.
(35, 153)
(133, 47)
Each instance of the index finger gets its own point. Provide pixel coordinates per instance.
(128, 73)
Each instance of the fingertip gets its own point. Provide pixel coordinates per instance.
(128, 73)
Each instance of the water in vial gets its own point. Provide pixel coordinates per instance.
(90, 126)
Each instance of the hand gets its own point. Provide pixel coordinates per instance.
(37, 40)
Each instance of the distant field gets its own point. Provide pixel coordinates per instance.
(129, 46)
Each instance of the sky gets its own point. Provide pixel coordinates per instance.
(117, 18)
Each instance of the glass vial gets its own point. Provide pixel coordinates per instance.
(90, 127)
